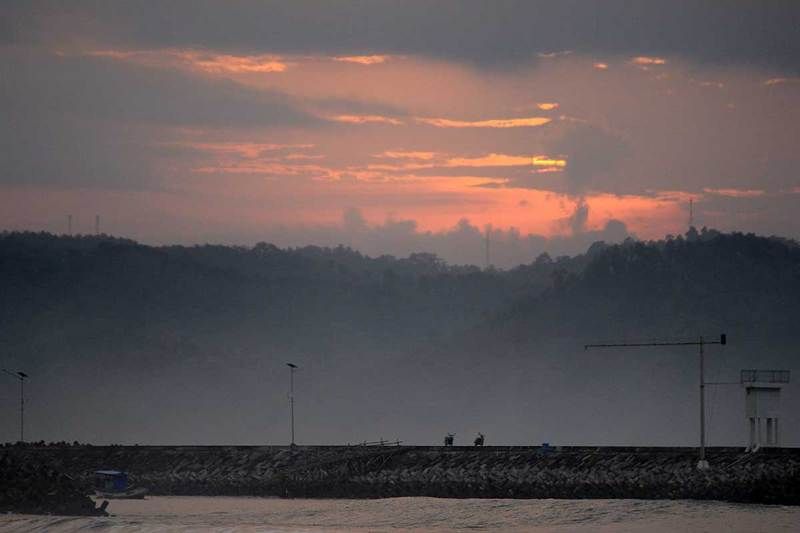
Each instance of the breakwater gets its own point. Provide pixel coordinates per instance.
(768, 476)
(32, 487)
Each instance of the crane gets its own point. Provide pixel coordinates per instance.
(702, 463)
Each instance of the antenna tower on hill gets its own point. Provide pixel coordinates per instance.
(488, 246)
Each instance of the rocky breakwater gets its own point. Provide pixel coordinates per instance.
(769, 476)
(34, 488)
(644, 473)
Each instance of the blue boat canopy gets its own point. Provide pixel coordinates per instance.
(111, 480)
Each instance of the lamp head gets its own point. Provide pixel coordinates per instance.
(291, 365)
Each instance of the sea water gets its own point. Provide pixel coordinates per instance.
(197, 513)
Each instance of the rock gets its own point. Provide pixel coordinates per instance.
(768, 477)
(34, 488)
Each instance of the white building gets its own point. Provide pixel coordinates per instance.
(762, 405)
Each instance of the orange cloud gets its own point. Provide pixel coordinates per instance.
(646, 61)
(547, 106)
(780, 81)
(363, 60)
(113, 54)
(736, 193)
(241, 149)
(296, 157)
(491, 160)
(681, 197)
(645, 215)
(532, 210)
(396, 167)
(493, 123)
(235, 64)
(399, 154)
(548, 164)
(197, 60)
(274, 168)
(601, 66)
(503, 160)
(366, 119)
(444, 122)
(544, 161)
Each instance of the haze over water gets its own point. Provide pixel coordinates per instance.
(178, 513)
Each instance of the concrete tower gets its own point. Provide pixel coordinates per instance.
(762, 405)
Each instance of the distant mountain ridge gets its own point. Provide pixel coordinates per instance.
(706, 282)
(710, 276)
(99, 320)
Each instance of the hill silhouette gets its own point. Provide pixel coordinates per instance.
(127, 342)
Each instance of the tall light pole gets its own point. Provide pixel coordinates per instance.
(21, 376)
(292, 368)
(702, 463)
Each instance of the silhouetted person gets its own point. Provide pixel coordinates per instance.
(448, 439)
(479, 439)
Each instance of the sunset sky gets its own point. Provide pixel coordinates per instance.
(395, 126)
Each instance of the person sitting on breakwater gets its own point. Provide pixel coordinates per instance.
(448, 439)
(479, 439)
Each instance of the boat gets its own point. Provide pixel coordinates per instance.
(113, 485)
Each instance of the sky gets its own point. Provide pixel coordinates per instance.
(401, 126)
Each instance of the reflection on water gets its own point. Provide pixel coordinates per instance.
(178, 513)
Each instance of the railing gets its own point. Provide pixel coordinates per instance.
(765, 376)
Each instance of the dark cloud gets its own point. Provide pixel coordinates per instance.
(770, 213)
(346, 106)
(591, 153)
(485, 31)
(464, 243)
(353, 221)
(91, 121)
(577, 221)
(104, 89)
(68, 152)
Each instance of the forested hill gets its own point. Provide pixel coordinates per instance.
(706, 284)
(91, 288)
(99, 321)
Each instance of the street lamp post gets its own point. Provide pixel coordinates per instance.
(21, 376)
(292, 368)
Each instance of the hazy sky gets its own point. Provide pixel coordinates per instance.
(399, 125)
